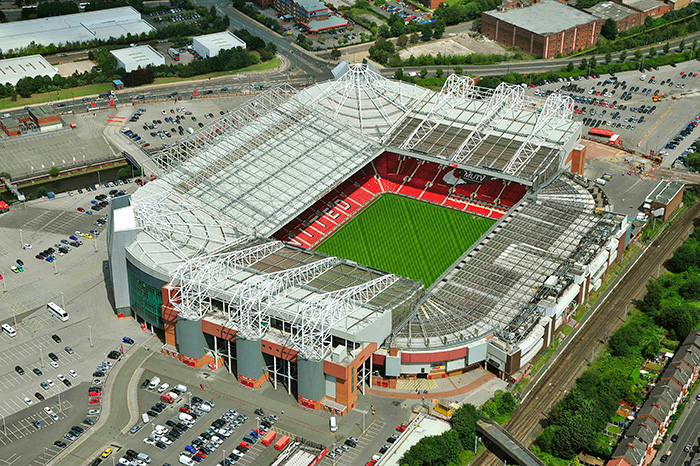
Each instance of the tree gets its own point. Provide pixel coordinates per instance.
(592, 63)
(463, 422)
(53, 171)
(438, 72)
(384, 31)
(423, 73)
(609, 29)
(570, 66)
(695, 44)
(124, 173)
(402, 40)
(41, 192)
(667, 48)
(692, 160)
(335, 53)
(458, 70)
(648, 22)
(623, 56)
(382, 51)
(2, 16)
(638, 53)
(438, 28)
(681, 45)
(415, 37)
(608, 58)
(652, 52)
(426, 30)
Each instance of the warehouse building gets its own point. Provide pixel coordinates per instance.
(653, 8)
(43, 119)
(665, 199)
(133, 58)
(14, 69)
(624, 17)
(547, 28)
(210, 45)
(79, 27)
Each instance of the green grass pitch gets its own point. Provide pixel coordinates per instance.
(406, 237)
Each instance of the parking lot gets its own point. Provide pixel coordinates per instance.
(624, 104)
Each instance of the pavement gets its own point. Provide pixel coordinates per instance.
(687, 428)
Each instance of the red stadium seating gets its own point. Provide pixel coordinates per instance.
(408, 177)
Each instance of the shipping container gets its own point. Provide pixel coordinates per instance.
(269, 437)
(281, 443)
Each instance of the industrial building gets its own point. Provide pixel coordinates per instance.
(133, 58)
(547, 28)
(653, 8)
(78, 27)
(43, 118)
(216, 254)
(624, 17)
(14, 69)
(664, 199)
(210, 45)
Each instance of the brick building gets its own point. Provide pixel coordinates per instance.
(665, 198)
(43, 119)
(547, 29)
(624, 17)
(313, 14)
(653, 8)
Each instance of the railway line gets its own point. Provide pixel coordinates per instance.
(527, 422)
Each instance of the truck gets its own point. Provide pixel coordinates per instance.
(174, 53)
(269, 437)
(281, 443)
(107, 94)
(257, 86)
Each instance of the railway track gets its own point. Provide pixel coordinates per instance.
(526, 423)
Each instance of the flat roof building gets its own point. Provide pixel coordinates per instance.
(78, 27)
(624, 17)
(547, 28)
(133, 58)
(210, 45)
(653, 8)
(665, 198)
(14, 69)
(322, 25)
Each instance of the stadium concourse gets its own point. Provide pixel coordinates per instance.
(216, 253)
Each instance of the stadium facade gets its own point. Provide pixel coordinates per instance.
(215, 254)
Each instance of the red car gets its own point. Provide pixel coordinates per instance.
(80, 209)
(94, 400)
(95, 392)
(184, 409)
(401, 428)
(371, 463)
(201, 454)
(245, 445)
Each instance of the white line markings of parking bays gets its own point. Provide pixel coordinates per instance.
(46, 455)
(349, 457)
(9, 356)
(11, 460)
(250, 456)
(12, 405)
(24, 427)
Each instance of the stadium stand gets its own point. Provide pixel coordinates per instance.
(396, 174)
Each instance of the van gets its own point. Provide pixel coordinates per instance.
(163, 388)
(643, 77)
(160, 429)
(190, 130)
(145, 418)
(187, 461)
(185, 417)
(143, 457)
(154, 383)
(204, 407)
(180, 388)
(334, 425)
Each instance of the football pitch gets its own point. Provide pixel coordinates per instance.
(406, 237)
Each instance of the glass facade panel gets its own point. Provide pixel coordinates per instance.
(146, 300)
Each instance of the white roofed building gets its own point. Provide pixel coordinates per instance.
(133, 58)
(210, 45)
(14, 69)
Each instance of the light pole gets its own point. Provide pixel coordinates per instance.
(94, 242)
(4, 286)
(63, 300)
(21, 238)
(4, 427)
(14, 317)
(41, 356)
(60, 407)
(90, 333)
(55, 268)
(223, 457)
(257, 422)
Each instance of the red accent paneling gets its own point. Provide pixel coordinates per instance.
(434, 356)
(379, 359)
(218, 330)
(279, 351)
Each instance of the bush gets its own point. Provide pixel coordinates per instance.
(53, 171)
(41, 192)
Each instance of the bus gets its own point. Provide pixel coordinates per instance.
(9, 330)
(174, 53)
(601, 132)
(55, 310)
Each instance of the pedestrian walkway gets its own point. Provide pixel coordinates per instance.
(459, 389)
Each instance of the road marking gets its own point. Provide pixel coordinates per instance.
(657, 122)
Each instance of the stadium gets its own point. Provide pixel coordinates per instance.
(365, 230)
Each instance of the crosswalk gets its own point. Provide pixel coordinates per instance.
(418, 384)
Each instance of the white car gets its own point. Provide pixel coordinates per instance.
(27, 246)
(93, 412)
(97, 382)
(149, 441)
(47, 410)
(77, 233)
(54, 364)
(28, 401)
(61, 377)
(166, 440)
(54, 416)
(50, 382)
(72, 373)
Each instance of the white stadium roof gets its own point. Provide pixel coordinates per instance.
(224, 189)
(78, 27)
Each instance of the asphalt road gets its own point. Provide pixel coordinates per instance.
(527, 422)
(688, 429)
(118, 413)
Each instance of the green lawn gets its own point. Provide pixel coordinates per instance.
(90, 89)
(406, 237)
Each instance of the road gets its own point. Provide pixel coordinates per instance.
(687, 427)
(118, 413)
(526, 424)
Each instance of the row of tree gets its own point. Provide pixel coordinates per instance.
(464, 10)
(249, 10)
(54, 8)
(449, 447)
